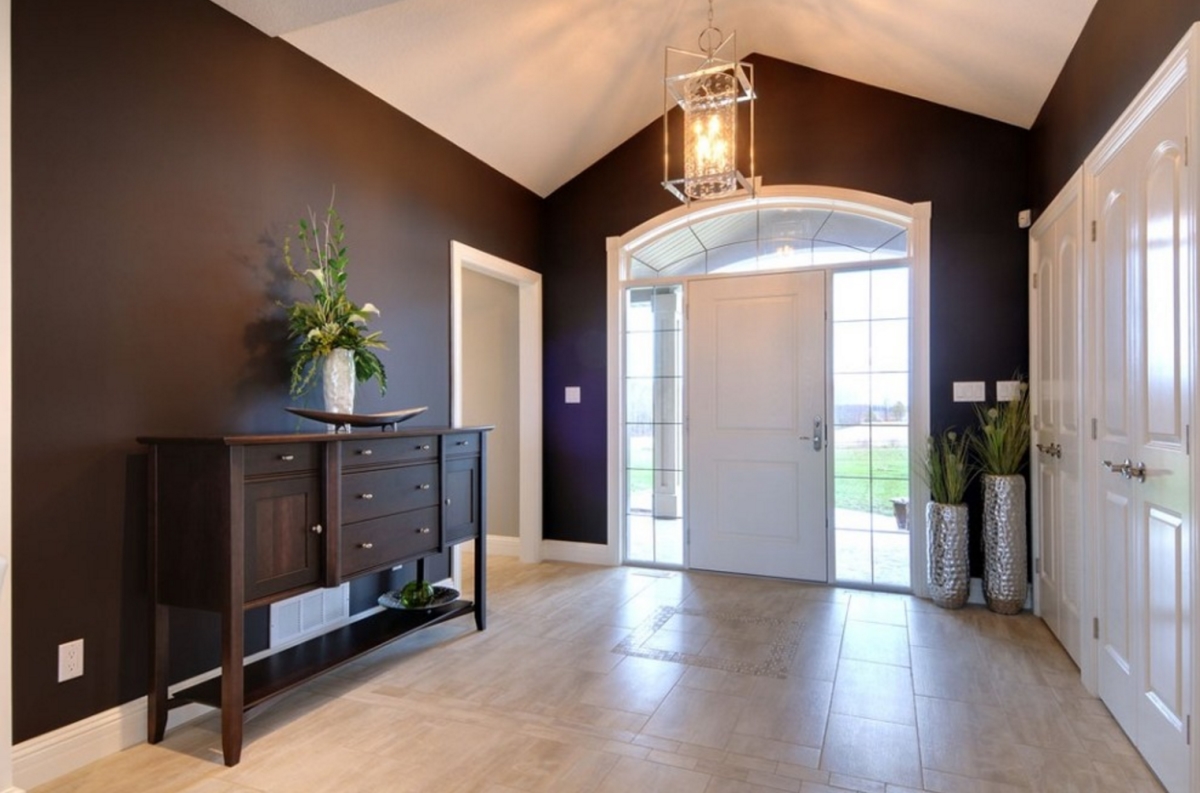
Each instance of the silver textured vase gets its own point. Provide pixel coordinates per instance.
(337, 379)
(1005, 581)
(947, 566)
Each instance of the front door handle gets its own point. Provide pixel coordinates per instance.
(817, 436)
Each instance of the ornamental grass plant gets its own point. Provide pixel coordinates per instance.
(329, 321)
(1002, 443)
(945, 468)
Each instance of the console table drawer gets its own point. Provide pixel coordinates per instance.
(281, 458)
(461, 443)
(372, 451)
(388, 540)
(373, 494)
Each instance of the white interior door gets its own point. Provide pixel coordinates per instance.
(1057, 400)
(756, 391)
(1144, 387)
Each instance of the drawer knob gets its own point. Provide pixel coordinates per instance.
(366, 496)
(423, 447)
(447, 502)
(423, 530)
(317, 529)
(365, 452)
(287, 458)
(366, 546)
(422, 487)
(464, 443)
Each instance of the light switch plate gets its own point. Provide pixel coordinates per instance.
(1006, 390)
(573, 395)
(970, 391)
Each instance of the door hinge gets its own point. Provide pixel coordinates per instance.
(1094, 423)
(1187, 439)
(1187, 145)
(1093, 231)
(1095, 627)
(1035, 280)
(1037, 565)
(1189, 730)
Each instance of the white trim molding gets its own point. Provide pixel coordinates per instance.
(580, 553)
(529, 309)
(6, 379)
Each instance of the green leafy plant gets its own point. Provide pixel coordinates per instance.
(330, 321)
(1003, 439)
(945, 468)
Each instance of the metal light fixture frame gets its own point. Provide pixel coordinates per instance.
(711, 60)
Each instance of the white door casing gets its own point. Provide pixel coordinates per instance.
(1142, 263)
(1056, 259)
(756, 418)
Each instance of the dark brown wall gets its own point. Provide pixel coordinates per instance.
(1117, 52)
(813, 128)
(161, 152)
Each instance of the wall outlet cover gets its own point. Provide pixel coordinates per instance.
(70, 660)
(573, 395)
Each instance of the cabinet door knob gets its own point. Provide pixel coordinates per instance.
(366, 496)
(317, 529)
(287, 458)
(366, 546)
(447, 502)
(423, 530)
(422, 487)
(365, 452)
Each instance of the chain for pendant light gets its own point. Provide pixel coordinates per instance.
(710, 38)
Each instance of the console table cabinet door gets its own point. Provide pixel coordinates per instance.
(283, 536)
(462, 493)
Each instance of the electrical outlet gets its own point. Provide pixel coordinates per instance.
(70, 660)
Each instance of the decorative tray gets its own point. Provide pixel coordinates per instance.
(344, 421)
(442, 596)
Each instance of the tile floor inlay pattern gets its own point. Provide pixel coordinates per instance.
(838, 691)
(768, 659)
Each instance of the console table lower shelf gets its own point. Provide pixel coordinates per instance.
(283, 671)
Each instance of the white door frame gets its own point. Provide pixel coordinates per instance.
(6, 770)
(916, 217)
(529, 322)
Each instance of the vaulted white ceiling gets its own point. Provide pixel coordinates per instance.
(541, 89)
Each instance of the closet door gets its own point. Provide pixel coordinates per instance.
(1144, 388)
(1056, 259)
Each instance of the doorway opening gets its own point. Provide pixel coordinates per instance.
(872, 385)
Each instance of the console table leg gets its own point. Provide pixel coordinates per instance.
(156, 711)
(232, 687)
(480, 582)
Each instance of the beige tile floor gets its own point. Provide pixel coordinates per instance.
(610, 680)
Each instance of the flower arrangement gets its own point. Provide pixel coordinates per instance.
(945, 468)
(1003, 439)
(330, 321)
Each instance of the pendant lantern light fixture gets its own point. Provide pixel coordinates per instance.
(708, 86)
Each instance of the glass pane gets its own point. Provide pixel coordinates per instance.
(853, 499)
(851, 399)
(639, 446)
(639, 531)
(889, 345)
(639, 498)
(852, 451)
(890, 559)
(639, 399)
(639, 309)
(889, 397)
(852, 346)
(854, 550)
(851, 295)
(884, 493)
(668, 544)
(889, 451)
(889, 293)
(735, 258)
(860, 232)
(895, 248)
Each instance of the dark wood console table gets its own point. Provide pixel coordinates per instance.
(241, 521)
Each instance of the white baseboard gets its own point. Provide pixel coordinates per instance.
(12, 790)
(47, 757)
(498, 545)
(579, 553)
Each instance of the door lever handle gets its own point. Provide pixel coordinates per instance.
(817, 436)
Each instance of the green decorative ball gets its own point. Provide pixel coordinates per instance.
(416, 594)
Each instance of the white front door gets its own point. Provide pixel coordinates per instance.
(1145, 386)
(756, 379)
